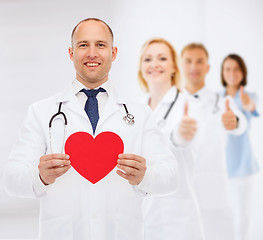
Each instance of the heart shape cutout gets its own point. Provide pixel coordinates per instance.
(94, 158)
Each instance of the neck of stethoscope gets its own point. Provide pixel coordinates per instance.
(216, 107)
(57, 114)
(65, 126)
(171, 105)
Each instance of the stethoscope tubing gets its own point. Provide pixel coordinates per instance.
(128, 118)
(57, 114)
(171, 106)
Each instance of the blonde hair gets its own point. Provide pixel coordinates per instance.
(191, 46)
(175, 78)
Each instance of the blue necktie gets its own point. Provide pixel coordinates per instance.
(91, 106)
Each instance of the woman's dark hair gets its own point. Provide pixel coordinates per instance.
(242, 66)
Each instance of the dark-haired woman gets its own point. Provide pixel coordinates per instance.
(241, 162)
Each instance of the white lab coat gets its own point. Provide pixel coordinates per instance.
(176, 215)
(210, 175)
(72, 207)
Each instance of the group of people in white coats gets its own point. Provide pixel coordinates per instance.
(166, 183)
(212, 146)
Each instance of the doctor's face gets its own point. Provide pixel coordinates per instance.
(195, 66)
(157, 65)
(232, 73)
(92, 53)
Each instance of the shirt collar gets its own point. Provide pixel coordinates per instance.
(237, 94)
(201, 93)
(77, 86)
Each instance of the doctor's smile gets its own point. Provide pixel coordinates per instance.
(92, 64)
(106, 166)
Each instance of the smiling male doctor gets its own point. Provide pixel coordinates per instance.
(71, 207)
(219, 117)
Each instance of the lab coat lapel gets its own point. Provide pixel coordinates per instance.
(75, 106)
(112, 106)
(71, 102)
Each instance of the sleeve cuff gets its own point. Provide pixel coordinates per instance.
(255, 113)
(39, 187)
(177, 140)
(141, 188)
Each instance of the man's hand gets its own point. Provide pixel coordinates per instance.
(52, 166)
(229, 118)
(134, 168)
(247, 103)
(188, 126)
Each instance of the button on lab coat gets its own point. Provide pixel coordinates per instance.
(210, 175)
(72, 207)
(176, 215)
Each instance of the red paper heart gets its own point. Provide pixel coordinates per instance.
(94, 158)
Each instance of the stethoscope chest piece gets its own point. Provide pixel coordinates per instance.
(129, 119)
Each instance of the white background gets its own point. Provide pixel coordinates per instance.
(34, 64)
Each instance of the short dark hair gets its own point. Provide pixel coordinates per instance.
(241, 64)
(90, 19)
(191, 46)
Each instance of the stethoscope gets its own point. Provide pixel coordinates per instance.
(162, 122)
(128, 118)
(65, 125)
(216, 107)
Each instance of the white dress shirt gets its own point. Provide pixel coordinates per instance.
(102, 97)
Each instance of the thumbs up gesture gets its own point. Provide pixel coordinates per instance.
(247, 103)
(229, 118)
(187, 126)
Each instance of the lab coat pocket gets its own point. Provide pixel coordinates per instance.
(57, 228)
(128, 228)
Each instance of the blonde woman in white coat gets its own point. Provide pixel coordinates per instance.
(174, 216)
